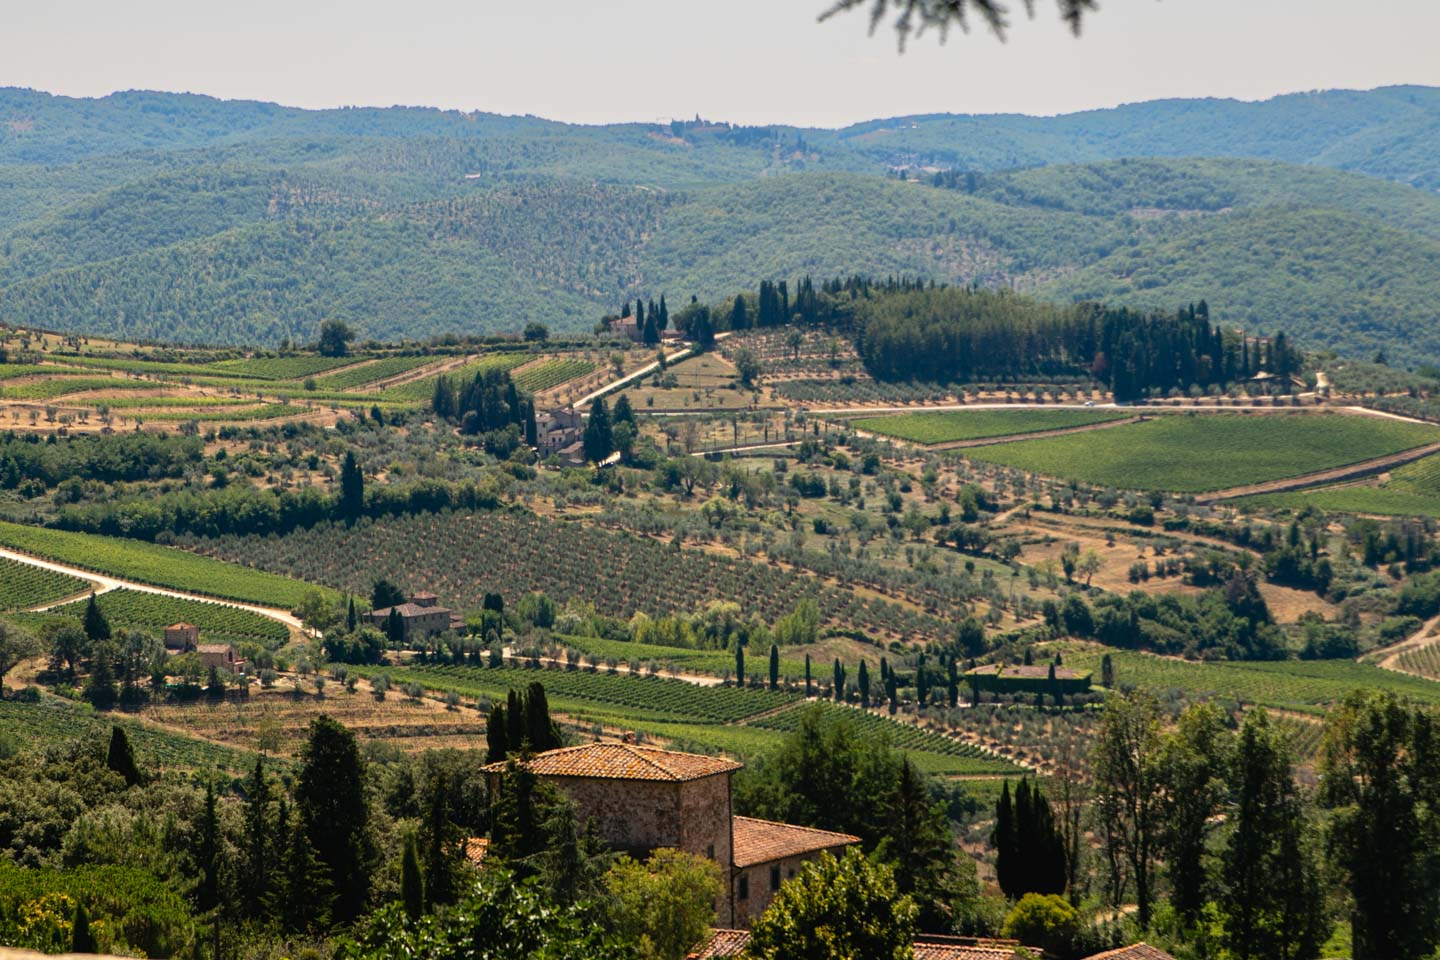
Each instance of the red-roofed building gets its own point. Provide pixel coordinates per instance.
(769, 853)
(641, 798)
(1136, 951)
(732, 943)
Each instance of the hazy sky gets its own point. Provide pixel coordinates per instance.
(755, 61)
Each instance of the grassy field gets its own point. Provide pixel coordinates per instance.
(1307, 686)
(158, 565)
(952, 425)
(1193, 454)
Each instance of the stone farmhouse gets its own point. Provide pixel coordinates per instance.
(421, 616)
(626, 327)
(181, 637)
(221, 656)
(558, 429)
(641, 798)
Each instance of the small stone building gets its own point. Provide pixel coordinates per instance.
(769, 853)
(181, 637)
(421, 616)
(641, 798)
(221, 656)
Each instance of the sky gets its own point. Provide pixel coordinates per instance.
(745, 61)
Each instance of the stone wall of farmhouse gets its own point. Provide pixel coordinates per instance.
(705, 827)
(759, 885)
(633, 815)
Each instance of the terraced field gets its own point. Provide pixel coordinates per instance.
(954, 425)
(551, 373)
(281, 368)
(361, 374)
(1306, 686)
(1204, 452)
(420, 391)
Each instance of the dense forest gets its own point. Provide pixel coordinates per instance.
(188, 219)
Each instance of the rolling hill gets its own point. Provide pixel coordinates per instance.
(166, 217)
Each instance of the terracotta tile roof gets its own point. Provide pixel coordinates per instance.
(964, 948)
(722, 943)
(762, 841)
(624, 761)
(182, 626)
(409, 610)
(475, 849)
(1136, 951)
(732, 943)
(214, 648)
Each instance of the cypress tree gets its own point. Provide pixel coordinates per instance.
(774, 667)
(82, 939)
(539, 729)
(497, 741)
(97, 628)
(515, 720)
(439, 860)
(206, 850)
(864, 684)
(121, 758)
(351, 619)
(739, 664)
(258, 831)
(412, 885)
(332, 802)
(352, 488)
(809, 686)
(1003, 839)
(839, 681)
(598, 440)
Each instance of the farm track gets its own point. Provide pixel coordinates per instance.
(1335, 475)
(104, 584)
(1389, 658)
(419, 373)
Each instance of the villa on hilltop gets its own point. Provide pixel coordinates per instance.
(420, 616)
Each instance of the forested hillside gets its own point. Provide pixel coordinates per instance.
(154, 216)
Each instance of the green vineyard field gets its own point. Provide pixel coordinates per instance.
(951, 426)
(23, 586)
(1192, 454)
